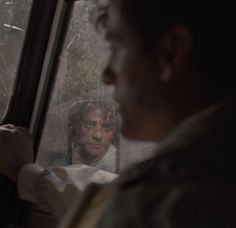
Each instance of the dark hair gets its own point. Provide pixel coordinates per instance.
(209, 21)
(79, 110)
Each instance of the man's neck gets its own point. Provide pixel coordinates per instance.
(86, 158)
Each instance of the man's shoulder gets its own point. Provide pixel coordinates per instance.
(175, 177)
(152, 192)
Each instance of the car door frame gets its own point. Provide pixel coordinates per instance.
(32, 88)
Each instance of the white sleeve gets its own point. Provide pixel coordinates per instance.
(56, 188)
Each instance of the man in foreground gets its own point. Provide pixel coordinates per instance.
(171, 66)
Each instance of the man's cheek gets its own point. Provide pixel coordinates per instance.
(108, 138)
(83, 139)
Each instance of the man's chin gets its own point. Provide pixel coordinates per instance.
(94, 151)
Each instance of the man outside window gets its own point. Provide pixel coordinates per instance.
(93, 134)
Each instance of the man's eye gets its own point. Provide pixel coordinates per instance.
(108, 127)
(89, 124)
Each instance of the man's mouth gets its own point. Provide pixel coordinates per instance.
(95, 146)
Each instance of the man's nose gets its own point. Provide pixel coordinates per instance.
(108, 76)
(97, 134)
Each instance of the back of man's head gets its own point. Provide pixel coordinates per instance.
(210, 24)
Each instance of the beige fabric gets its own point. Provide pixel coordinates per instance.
(87, 212)
(57, 188)
(97, 205)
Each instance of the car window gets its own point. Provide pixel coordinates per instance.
(14, 15)
(83, 124)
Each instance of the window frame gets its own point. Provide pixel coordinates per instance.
(31, 90)
(38, 65)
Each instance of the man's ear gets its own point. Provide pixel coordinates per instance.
(174, 53)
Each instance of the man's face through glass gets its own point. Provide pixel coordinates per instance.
(96, 132)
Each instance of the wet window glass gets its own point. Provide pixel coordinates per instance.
(83, 123)
(14, 15)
